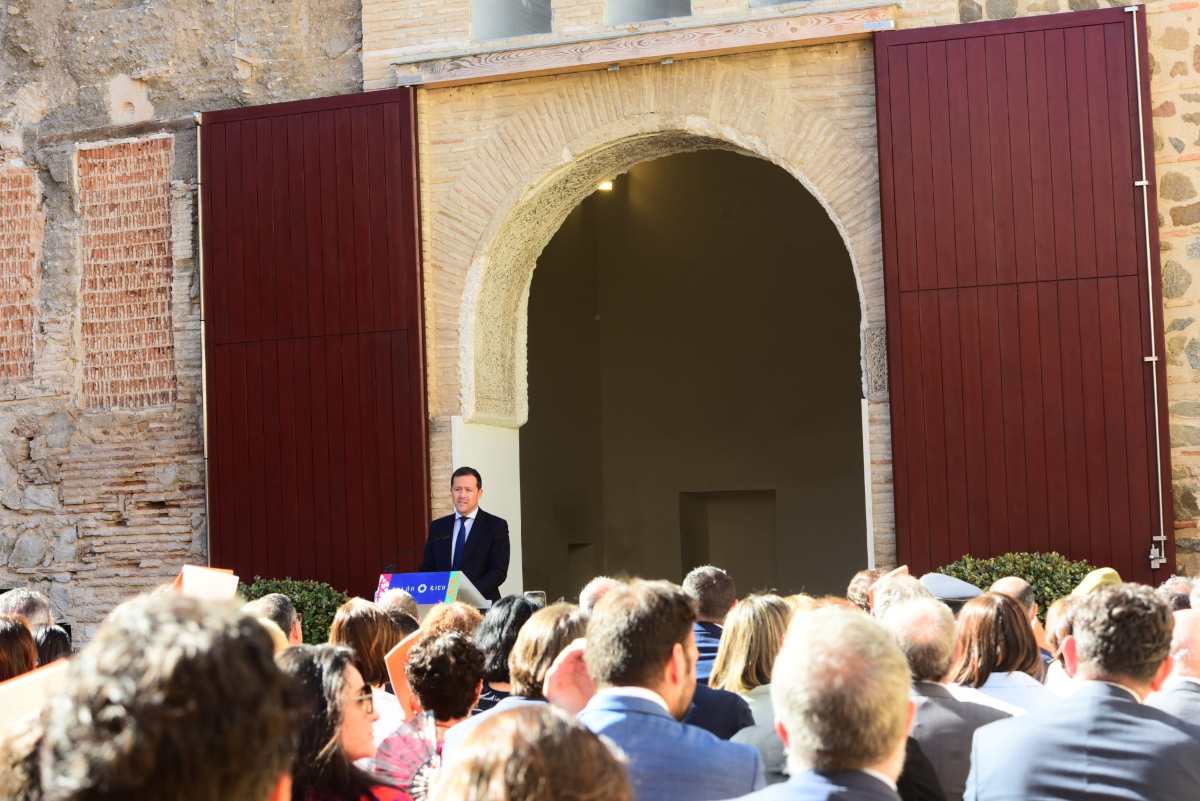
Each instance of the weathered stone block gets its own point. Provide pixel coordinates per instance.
(29, 551)
(64, 544)
(1174, 185)
(1184, 435)
(1175, 279)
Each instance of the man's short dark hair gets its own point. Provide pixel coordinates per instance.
(176, 698)
(467, 471)
(633, 631)
(713, 590)
(1123, 631)
(445, 671)
(277, 608)
(29, 604)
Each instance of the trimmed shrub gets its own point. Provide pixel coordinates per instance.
(316, 601)
(1051, 574)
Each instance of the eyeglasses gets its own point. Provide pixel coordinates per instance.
(366, 702)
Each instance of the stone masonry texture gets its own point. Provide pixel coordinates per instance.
(125, 205)
(101, 441)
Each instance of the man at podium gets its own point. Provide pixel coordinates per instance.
(470, 540)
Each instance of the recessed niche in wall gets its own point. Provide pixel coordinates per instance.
(620, 11)
(500, 19)
(734, 530)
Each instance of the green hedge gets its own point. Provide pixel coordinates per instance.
(316, 601)
(1051, 574)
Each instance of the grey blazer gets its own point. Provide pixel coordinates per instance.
(1181, 700)
(1099, 744)
(943, 728)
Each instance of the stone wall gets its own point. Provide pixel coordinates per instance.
(101, 455)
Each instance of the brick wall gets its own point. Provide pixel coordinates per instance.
(125, 209)
(20, 250)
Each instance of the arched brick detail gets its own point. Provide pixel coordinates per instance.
(522, 179)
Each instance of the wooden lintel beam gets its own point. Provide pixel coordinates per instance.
(649, 48)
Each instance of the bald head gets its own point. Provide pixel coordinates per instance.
(594, 590)
(924, 630)
(1185, 643)
(1019, 590)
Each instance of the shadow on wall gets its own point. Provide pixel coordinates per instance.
(694, 384)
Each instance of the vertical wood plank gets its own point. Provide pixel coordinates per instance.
(981, 163)
(1000, 147)
(917, 468)
(1032, 399)
(1093, 407)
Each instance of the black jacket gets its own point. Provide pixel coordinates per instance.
(485, 558)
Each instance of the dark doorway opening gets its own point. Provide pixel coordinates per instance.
(694, 384)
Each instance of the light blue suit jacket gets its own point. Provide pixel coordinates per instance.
(1097, 745)
(849, 785)
(669, 760)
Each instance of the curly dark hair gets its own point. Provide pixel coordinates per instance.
(174, 697)
(321, 768)
(1123, 631)
(497, 634)
(445, 672)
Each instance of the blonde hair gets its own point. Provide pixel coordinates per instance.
(751, 639)
(454, 616)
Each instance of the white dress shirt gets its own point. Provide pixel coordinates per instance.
(1018, 689)
(470, 522)
(636, 692)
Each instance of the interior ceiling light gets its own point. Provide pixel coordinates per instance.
(604, 186)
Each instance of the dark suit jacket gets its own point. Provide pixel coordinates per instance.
(719, 711)
(1097, 745)
(918, 781)
(485, 557)
(1181, 700)
(708, 639)
(669, 761)
(944, 726)
(850, 785)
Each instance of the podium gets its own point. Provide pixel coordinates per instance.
(443, 586)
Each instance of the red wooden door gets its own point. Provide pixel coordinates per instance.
(314, 365)
(1020, 317)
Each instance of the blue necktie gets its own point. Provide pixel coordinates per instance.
(460, 539)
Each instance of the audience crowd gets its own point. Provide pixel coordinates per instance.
(905, 688)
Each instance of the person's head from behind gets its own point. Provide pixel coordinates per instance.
(714, 591)
(466, 488)
(841, 694)
(1060, 623)
(896, 589)
(1185, 644)
(540, 641)
(1020, 591)
(18, 652)
(445, 672)
(1121, 634)
(497, 633)
(29, 604)
(858, 590)
(364, 628)
(399, 600)
(173, 698)
(751, 640)
(533, 753)
(278, 608)
(924, 630)
(337, 715)
(993, 636)
(594, 590)
(53, 642)
(455, 616)
(640, 635)
(405, 623)
(1177, 592)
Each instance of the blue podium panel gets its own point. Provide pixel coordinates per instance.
(426, 588)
